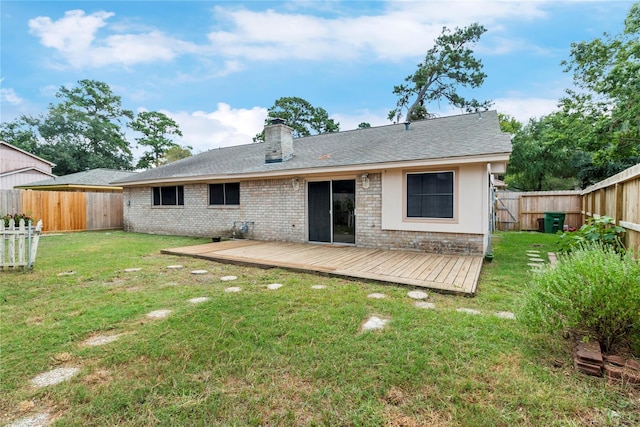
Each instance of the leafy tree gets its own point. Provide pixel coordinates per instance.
(176, 153)
(156, 128)
(22, 133)
(447, 66)
(607, 72)
(304, 118)
(88, 122)
(543, 156)
(509, 124)
(364, 125)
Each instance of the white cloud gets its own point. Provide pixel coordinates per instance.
(525, 108)
(223, 127)
(351, 121)
(401, 31)
(9, 95)
(74, 37)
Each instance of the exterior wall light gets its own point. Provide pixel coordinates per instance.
(365, 180)
(295, 184)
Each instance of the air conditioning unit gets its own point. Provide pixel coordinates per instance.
(243, 229)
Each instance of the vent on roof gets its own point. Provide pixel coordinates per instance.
(278, 138)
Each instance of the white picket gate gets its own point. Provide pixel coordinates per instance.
(22, 254)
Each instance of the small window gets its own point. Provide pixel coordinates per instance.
(168, 196)
(224, 194)
(430, 195)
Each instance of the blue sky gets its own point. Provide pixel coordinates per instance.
(215, 67)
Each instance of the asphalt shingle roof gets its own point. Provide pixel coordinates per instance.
(94, 177)
(454, 136)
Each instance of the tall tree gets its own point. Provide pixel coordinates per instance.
(89, 121)
(176, 153)
(607, 73)
(156, 129)
(448, 65)
(22, 132)
(544, 155)
(304, 118)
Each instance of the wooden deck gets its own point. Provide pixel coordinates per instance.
(445, 273)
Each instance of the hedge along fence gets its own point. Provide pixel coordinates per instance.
(521, 210)
(65, 210)
(619, 198)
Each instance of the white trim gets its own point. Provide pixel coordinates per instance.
(27, 153)
(30, 168)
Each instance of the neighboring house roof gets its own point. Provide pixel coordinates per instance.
(27, 169)
(26, 153)
(94, 178)
(454, 137)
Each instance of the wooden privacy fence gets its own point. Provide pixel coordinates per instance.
(619, 198)
(521, 210)
(65, 210)
(24, 253)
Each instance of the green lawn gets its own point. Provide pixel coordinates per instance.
(292, 356)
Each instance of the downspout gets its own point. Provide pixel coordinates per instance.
(492, 200)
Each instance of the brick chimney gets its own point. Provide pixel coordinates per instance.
(278, 139)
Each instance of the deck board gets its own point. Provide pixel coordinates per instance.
(446, 273)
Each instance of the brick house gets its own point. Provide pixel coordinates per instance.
(424, 185)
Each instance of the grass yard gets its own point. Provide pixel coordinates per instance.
(287, 357)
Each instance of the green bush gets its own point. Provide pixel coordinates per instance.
(592, 291)
(596, 230)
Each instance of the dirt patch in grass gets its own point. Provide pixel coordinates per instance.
(394, 417)
(278, 398)
(99, 377)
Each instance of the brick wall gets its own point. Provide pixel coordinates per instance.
(278, 213)
(276, 210)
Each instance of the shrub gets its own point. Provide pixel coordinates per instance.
(596, 230)
(17, 217)
(593, 291)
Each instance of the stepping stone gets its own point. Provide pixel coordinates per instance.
(199, 272)
(374, 323)
(233, 289)
(535, 265)
(228, 278)
(131, 270)
(101, 340)
(536, 260)
(468, 311)
(274, 286)
(318, 287)
(376, 296)
(198, 300)
(505, 315)
(67, 273)
(55, 376)
(38, 420)
(158, 314)
(175, 267)
(533, 251)
(424, 304)
(417, 295)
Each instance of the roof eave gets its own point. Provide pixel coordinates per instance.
(367, 167)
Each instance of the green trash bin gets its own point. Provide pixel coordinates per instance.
(553, 222)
